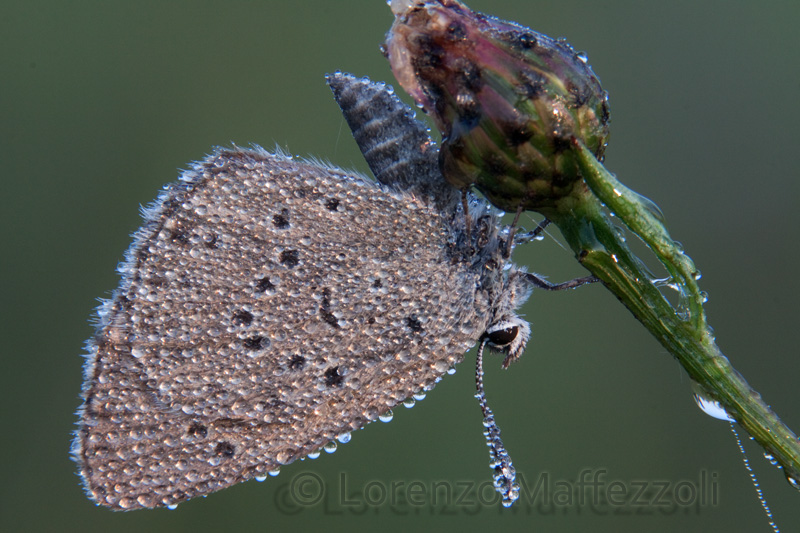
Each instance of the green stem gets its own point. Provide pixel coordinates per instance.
(683, 331)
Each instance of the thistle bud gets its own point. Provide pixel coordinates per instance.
(509, 101)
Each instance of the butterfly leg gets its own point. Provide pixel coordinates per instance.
(511, 230)
(538, 281)
(522, 238)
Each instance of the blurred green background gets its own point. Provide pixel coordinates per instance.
(102, 102)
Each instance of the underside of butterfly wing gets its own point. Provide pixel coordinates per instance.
(266, 307)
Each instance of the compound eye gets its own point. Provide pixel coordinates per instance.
(504, 336)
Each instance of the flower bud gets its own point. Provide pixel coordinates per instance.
(509, 101)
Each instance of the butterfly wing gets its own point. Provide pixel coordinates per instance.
(266, 307)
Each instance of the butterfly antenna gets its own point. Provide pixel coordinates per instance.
(504, 476)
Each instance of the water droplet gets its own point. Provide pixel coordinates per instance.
(793, 482)
(261, 479)
(651, 208)
(582, 57)
(344, 438)
(400, 6)
(419, 396)
(408, 403)
(660, 282)
(275, 472)
(330, 447)
(712, 408)
(172, 506)
(314, 455)
(387, 416)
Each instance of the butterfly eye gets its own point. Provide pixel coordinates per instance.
(509, 336)
(502, 337)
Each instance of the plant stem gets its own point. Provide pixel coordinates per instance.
(683, 331)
